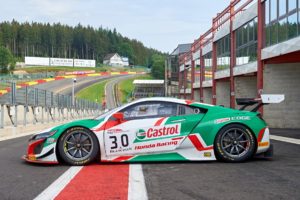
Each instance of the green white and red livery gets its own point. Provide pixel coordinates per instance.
(158, 129)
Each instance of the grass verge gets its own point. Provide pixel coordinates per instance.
(94, 92)
(126, 87)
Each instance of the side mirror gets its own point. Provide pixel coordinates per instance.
(119, 116)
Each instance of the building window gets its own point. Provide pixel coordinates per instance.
(208, 66)
(182, 80)
(273, 9)
(188, 78)
(246, 43)
(282, 20)
(223, 53)
(292, 25)
(197, 71)
(292, 5)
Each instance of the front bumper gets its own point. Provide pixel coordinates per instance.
(39, 151)
(34, 160)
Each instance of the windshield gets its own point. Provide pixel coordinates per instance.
(103, 115)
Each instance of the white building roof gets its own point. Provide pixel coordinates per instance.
(148, 82)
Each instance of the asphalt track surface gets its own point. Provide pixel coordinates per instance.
(65, 86)
(20, 180)
(110, 91)
(278, 178)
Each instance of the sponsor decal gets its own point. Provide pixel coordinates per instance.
(31, 157)
(263, 144)
(120, 150)
(238, 118)
(141, 134)
(159, 144)
(207, 154)
(117, 130)
(158, 132)
(218, 121)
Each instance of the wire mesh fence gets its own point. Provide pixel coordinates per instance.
(26, 77)
(46, 102)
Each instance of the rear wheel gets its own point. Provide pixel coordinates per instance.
(234, 143)
(78, 146)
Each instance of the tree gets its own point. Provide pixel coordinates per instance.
(58, 40)
(7, 62)
(126, 50)
(158, 66)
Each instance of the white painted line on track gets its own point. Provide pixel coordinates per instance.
(59, 184)
(136, 187)
(285, 139)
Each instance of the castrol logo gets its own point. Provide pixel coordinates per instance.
(158, 132)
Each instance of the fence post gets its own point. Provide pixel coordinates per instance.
(52, 106)
(47, 107)
(2, 117)
(25, 107)
(14, 103)
(58, 107)
(36, 96)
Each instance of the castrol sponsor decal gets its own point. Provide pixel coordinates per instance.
(218, 121)
(237, 118)
(158, 132)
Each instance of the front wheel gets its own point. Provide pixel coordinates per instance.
(78, 146)
(234, 143)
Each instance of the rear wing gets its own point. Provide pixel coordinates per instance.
(265, 99)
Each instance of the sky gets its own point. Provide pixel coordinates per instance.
(160, 24)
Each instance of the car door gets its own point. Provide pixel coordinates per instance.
(150, 127)
(188, 117)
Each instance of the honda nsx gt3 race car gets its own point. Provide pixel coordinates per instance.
(158, 129)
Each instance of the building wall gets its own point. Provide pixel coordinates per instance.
(223, 93)
(283, 79)
(245, 87)
(197, 95)
(188, 96)
(207, 95)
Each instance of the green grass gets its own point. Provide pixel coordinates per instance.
(3, 86)
(126, 87)
(93, 93)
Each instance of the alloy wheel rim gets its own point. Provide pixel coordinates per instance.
(78, 146)
(235, 142)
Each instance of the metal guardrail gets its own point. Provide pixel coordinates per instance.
(26, 77)
(46, 101)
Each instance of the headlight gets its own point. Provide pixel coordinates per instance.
(42, 135)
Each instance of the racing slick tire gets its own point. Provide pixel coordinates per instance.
(234, 143)
(78, 146)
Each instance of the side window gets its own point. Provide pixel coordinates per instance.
(188, 110)
(149, 110)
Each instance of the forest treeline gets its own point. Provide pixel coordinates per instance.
(58, 40)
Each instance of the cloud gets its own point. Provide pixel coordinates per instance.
(161, 24)
(53, 8)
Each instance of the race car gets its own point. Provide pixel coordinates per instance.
(158, 129)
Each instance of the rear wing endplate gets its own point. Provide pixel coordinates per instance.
(265, 99)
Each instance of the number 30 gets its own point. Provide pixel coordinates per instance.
(124, 141)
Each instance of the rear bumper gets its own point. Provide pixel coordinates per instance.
(267, 154)
(263, 140)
